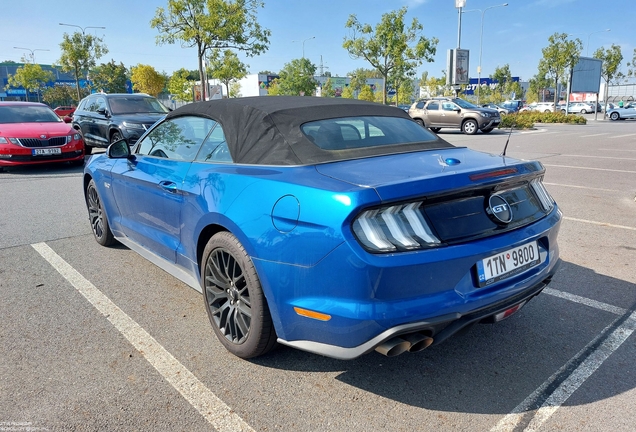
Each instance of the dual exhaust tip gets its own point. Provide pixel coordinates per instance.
(412, 342)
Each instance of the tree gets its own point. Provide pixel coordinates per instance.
(612, 58)
(61, 94)
(30, 76)
(274, 89)
(391, 45)
(505, 85)
(327, 89)
(180, 85)
(146, 79)
(211, 24)
(359, 77)
(297, 78)
(235, 90)
(433, 86)
(79, 54)
(559, 57)
(267, 72)
(110, 77)
(347, 92)
(631, 71)
(366, 94)
(227, 68)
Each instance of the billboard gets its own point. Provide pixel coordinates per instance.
(460, 66)
(586, 76)
(485, 82)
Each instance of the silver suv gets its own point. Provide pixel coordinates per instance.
(455, 113)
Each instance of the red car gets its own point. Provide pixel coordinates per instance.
(31, 133)
(63, 111)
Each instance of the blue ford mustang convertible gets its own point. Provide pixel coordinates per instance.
(334, 226)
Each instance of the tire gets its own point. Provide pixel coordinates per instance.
(234, 299)
(583, 111)
(435, 129)
(116, 136)
(99, 222)
(563, 111)
(87, 149)
(487, 130)
(469, 127)
(615, 116)
(420, 122)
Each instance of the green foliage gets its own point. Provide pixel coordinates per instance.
(79, 54)
(559, 57)
(347, 92)
(30, 76)
(327, 89)
(227, 68)
(527, 119)
(435, 86)
(297, 78)
(212, 24)
(61, 94)
(109, 77)
(146, 79)
(235, 90)
(274, 88)
(391, 48)
(180, 85)
(358, 78)
(366, 94)
(631, 71)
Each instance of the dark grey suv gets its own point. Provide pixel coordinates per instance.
(105, 118)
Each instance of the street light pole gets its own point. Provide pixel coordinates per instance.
(481, 44)
(304, 40)
(32, 52)
(587, 54)
(82, 28)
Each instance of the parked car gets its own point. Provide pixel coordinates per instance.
(31, 133)
(105, 118)
(513, 105)
(627, 112)
(496, 107)
(544, 107)
(64, 111)
(454, 113)
(334, 226)
(578, 107)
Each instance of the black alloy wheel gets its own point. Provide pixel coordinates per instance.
(97, 217)
(116, 136)
(234, 299)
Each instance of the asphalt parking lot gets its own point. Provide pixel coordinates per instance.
(97, 338)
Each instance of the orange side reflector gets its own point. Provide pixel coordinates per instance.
(312, 314)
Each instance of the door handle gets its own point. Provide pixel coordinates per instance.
(168, 186)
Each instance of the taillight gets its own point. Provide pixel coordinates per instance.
(399, 227)
(544, 197)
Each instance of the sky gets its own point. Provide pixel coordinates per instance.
(513, 35)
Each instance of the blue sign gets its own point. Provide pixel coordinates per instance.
(485, 82)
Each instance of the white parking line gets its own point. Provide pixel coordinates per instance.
(585, 301)
(599, 223)
(623, 136)
(615, 149)
(213, 409)
(581, 187)
(598, 157)
(589, 359)
(588, 168)
(593, 135)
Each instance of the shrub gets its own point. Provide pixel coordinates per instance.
(527, 119)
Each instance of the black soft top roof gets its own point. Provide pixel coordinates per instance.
(266, 129)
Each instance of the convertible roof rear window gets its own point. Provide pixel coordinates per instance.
(365, 131)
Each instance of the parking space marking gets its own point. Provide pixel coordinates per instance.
(585, 301)
(213, 409)
(623, 136)
(593, 135)
(589, 168)
(568, 378)
(581, 187)
(605, 224)
(615, 149)
(598, 157)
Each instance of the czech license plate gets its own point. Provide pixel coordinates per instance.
(507, 263)
(46, 151)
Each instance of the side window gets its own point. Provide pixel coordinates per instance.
(433, 106)
(91, 105)
(215, 148)
(448, 106)
(100, 103)
(419, 105)
(178, 138)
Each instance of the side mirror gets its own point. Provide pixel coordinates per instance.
(457, 109)
(118, 150)
(67, 119)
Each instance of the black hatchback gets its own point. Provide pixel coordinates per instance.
(105, 118)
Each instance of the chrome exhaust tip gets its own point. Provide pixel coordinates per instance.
(418, 341)
(393, 347)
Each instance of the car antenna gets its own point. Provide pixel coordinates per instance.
(503, 153)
